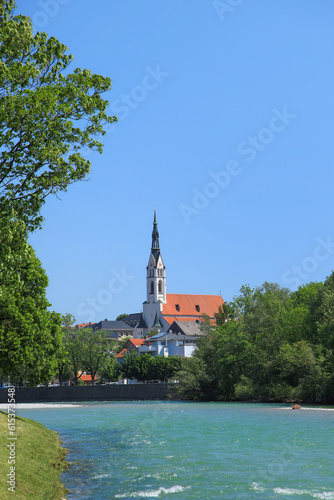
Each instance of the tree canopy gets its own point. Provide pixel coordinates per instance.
(29, 334)
(270, 344)
(47, 115)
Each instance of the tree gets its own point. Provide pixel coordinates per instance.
(295, 373)
(166, 368)
(120, 344)
(298, 318)
(129, 366)
(325, 335)
(225, 313)
(30, 335)
(110, 369)
(121, 316)
(94, 349)
(47, 115)
(65, 368)
(199, 377)
(73, 348)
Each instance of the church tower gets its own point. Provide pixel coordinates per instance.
(151, 317)
(155, 271)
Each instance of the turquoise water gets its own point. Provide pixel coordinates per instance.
(182, 450)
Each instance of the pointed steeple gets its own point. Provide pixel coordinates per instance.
(155, 233)
(155, 276)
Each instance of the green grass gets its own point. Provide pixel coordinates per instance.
(39, 461)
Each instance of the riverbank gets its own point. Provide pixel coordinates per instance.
(130, 392)
(38, 458)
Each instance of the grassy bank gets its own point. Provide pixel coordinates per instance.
(39, 459)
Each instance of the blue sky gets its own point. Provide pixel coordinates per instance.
(225, 123)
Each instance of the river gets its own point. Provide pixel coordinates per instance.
(189, 450)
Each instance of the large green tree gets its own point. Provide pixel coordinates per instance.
(30, 336)
(95, 348)
(47, 115)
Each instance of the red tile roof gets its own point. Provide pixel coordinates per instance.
(87, 378)
(120, 354)
(190, 307)
(136, 342)
(83, 325)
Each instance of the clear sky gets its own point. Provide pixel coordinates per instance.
(226, 119)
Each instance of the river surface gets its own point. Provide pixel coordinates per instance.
(186, 450)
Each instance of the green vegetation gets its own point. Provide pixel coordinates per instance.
(146, 367)
(29, 334)
(86, 350)
(270, 344)
(47, 116)
(39, 461)
(121, 316)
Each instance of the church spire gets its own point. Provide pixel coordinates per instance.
(155, 233)
(156, 275)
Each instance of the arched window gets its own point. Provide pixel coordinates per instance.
(160, 286)
(152, 287)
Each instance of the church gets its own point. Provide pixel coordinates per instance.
(170, 312)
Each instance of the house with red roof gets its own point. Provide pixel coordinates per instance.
(132, 345)
(87, 379)
(168, 312)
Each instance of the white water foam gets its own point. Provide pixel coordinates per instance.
(257, 487)
(4, 406)
(326, 495)
(152, 493)
(291, 491)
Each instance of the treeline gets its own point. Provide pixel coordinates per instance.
(270, 344)
(93, 352)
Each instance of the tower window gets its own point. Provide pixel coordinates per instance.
(160, 286)
(177, 307)
(152, 287)
(198, 309)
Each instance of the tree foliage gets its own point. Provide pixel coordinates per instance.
(147, 368)
(47, 115)
(269, 344)
(95, 349)
(30, 336)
